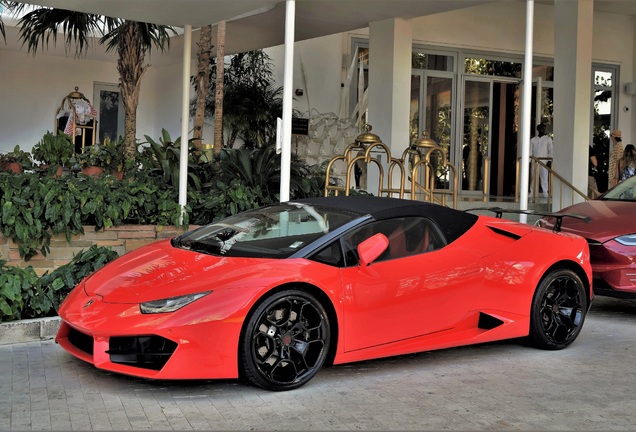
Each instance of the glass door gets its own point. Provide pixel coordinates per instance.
(110, 109)
(475, 129)
(542, 110)
(438, 113)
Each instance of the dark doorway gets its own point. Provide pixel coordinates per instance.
(503, 154)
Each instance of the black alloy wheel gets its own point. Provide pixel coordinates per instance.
(285, 341)
(558, 310)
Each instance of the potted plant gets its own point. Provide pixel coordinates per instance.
(94, 160)
(16, 161)
(117, 153)
(54, 152)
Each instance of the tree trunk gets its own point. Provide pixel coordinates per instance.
(131, 69)
(202, 83)
(218, 97)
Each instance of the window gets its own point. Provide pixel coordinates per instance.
(481, 66)
(110, 111)
(604, 109)
(407, 236)
(437, 62)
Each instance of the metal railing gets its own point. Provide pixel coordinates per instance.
(553, 178)
(370, 154)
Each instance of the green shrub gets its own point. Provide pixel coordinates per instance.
(24, 295)
(33, 208)
(16, 287)
(55, 286)
(231, 199)
(54, 150)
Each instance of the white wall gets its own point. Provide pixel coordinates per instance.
(33, 87)
(320, 61)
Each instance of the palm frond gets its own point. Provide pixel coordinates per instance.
(149, 35)
(41, 26)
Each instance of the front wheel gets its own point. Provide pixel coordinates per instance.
(558, 310)
(286, 341)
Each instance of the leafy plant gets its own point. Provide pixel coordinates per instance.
(95, 155)
(251, 102)
(260, 168)
(229, 199)
(17, 156)
(55, 150)
(55, 286)
(33, 209)
(162, 159)
(15, 285)
(25, 295)
(116, 150)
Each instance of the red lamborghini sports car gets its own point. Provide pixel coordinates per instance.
(611, 235)
(272, 295)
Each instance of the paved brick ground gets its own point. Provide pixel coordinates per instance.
(499, 386)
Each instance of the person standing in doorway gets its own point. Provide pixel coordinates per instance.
(615, 155)
(627, 164)
(541, 147)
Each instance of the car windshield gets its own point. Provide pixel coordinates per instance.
(275, 231)
(624, 191)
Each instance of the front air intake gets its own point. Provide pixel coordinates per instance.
(148, 352)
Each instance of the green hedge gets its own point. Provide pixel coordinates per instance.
(34, 208)
(25, 295)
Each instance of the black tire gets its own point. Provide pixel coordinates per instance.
(286, 341)
(558, 310)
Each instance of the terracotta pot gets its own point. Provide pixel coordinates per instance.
(93, 171)
(117, 174)
(58, 172)
(15, 167)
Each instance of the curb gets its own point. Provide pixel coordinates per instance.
(30, 330)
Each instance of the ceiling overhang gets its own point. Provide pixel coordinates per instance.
(255, 24)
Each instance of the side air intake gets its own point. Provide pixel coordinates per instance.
(505, 233)
(488, 322)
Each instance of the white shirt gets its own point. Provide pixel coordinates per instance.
(541, 147)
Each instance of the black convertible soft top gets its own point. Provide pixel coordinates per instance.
(453, 223)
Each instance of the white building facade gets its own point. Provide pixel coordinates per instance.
(456, 74)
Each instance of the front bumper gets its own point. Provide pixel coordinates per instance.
(119, 338)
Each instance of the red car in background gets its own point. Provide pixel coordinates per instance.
(611, 235)
(273, 294)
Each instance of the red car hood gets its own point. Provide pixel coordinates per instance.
(161, 271)
(610, 219)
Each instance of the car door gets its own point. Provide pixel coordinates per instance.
(397, 298)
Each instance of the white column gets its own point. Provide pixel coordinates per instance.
(185, 119)
(527, 106)
(288, 83)
(390, 50)
(572, 94)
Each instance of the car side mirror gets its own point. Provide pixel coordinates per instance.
(370, 249)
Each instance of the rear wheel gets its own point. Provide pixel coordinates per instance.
(286, 341)
(558, 310)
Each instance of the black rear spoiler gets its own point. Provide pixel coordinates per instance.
(558, 216)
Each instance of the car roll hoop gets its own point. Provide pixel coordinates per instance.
(557, 216)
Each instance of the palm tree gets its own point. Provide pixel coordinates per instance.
(218, 96)
(132, 40)
(201, 82)
(250, 102)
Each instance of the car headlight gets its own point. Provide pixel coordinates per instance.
(169, 304)
(627, 240)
